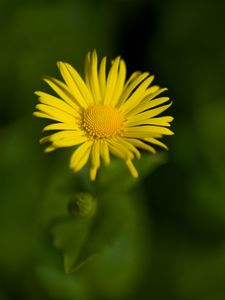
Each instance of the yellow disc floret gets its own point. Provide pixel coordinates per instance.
(102, 121)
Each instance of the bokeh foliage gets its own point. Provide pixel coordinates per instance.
(161, 237)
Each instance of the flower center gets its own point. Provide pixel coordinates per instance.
(102, 121)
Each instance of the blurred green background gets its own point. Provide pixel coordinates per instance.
(173, 244)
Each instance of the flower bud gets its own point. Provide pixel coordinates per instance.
(83, 205)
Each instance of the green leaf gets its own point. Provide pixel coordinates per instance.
(69, 235)
(80, 237)
(88, 225)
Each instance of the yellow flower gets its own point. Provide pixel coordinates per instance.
(103, 114)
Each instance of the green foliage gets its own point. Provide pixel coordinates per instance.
(116, 176)
(158, 237)
(93, 224)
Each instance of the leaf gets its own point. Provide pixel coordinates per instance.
(106, 227)
(89, 226)
(69, 235)
(81, 238)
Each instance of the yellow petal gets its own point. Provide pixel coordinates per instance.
(155, 94)
(152, 89)
(126, 143)
(147, 102)
(120, 83)
(62, 135)
(80, 156)
(137, 96)
(95, 154)
(121, 150)
(156, 142)
(69, 142)
(140, 144)
(58, 114)
(111, 81)
(72, 84)
(93, 77)
(62, 90)
(105, 152)
(102, 76)
(157, 101)
(117, 152)
(149, 113)
(132, 168)
(61, 126)
(50, 100)
(87, 70)
(93, 173)
(49, 149)
(131, 87)
(45, 116)
(148, 129)
(132, 78)
(160, 121)
(80, 84)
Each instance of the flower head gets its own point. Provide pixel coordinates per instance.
(103, 115)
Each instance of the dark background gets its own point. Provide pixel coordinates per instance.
(183, 44)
